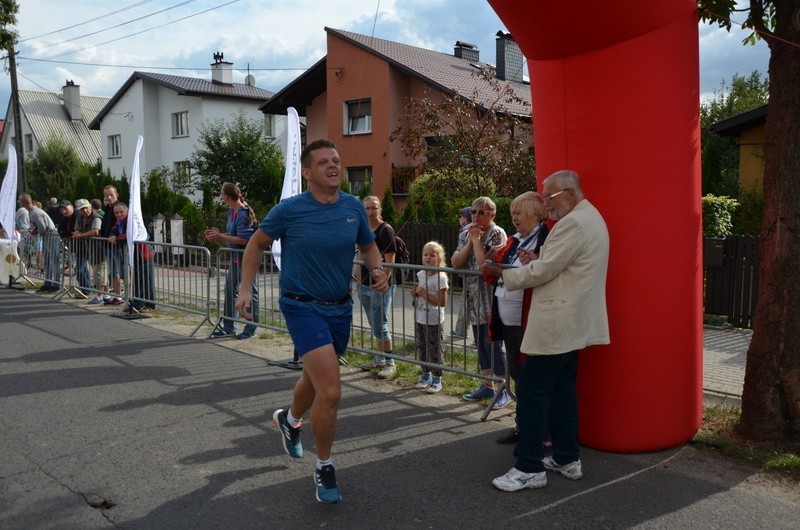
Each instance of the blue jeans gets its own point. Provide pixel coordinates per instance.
(232, 280)
(377, 306)
(52, 248)
(481, 333)
(546, 395)
(143, 282)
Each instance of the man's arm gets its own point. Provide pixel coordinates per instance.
(250, 263)
(372, 260)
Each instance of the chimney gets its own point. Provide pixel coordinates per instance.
(72, 100)
(221, 71)
(509, 58)
(465, 50)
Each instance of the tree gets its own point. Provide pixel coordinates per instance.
(771, 397)
(236, 151)
(720, 154)
(54, 170)
(469, 148)
(8, 19)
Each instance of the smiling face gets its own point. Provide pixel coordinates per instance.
(324, 170)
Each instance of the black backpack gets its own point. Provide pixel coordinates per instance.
(401, 257)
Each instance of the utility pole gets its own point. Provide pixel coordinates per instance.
(21, 182)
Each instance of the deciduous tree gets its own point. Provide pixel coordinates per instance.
(771, 398)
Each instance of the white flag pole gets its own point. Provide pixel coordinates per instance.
(137, 231)
(291, 178)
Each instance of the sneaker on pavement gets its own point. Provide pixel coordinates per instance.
(117, 301)
(244, 335)
(502, 401)
(374, 363)
(289, 435)
(387, 372)
(481, 392)
(572, 470)
(516, 480)
(424, 381)
(327, 489)
(222, 333)
(96, 301)
(436, 386)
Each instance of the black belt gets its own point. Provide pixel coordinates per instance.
(299, 298)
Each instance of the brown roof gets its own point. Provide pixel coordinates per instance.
(736, 125)
(446, 72)
(187, 86)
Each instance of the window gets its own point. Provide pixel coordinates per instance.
(181, 176)
(269, 125)
(180, 124)
(357, 178)
(29, 142)
(114, 146)
(358, 117)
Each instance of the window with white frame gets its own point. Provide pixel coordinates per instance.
(357, 178)
(180, 124)
(29, 142)
(181, 176)
(115, 146)
(358, 116)
(269, 125)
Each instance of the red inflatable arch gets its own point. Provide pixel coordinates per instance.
(616, 98)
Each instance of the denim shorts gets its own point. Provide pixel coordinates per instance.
(311, 329)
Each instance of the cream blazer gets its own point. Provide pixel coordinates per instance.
(568, 308)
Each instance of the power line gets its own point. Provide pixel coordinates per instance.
(144, 31)
(109, 28)
(140, 67)
(87, 21)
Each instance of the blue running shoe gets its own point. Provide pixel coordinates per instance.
(502, 401)
(289, 435)
(481, 392)
(327, 490)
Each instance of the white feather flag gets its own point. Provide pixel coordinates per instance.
(291, 178)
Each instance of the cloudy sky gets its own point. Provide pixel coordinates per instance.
(98, 44)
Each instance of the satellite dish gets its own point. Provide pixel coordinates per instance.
(250, 80)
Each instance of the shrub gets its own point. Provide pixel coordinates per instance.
(717, 215)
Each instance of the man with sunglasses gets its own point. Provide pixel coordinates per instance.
(473, 244)
(567, 314)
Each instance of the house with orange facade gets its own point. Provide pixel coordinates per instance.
(357, 94)
(748, 128)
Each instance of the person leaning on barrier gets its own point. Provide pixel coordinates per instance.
(460, 328)
(568, 313)
(241, 225)
(87, 225)
(142, 275)
(508, 307)
(42, 225)
(113, 254)
(23, 223)
(473, 244)
(318, 230)
(377, 305)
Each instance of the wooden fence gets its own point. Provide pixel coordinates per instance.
(730, 266)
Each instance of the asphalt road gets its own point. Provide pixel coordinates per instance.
(112, 423)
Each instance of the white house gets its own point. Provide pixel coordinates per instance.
(168, 111)
(46, 115)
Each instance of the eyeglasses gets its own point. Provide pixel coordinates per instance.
(482, 212)
(553, 195)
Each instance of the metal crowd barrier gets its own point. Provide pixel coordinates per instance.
(182, 277)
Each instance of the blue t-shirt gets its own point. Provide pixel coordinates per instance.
(318, 244)
(236, 226)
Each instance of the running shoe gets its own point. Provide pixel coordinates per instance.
(289, 435)
(327, 490)
(481, 392)
(572, 470)
(516, 480)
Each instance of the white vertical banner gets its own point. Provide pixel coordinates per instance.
(291, 178)
(8, 198)
(136, 229)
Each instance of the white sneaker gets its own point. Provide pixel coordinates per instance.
(434, 388)
(424, 381)
(387, 372)
(572, 470)
(516, 480)
(374, 363)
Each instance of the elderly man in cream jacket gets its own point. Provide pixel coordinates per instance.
(567, 314)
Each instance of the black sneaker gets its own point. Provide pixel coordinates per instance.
(327, 490)
(290, 436)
